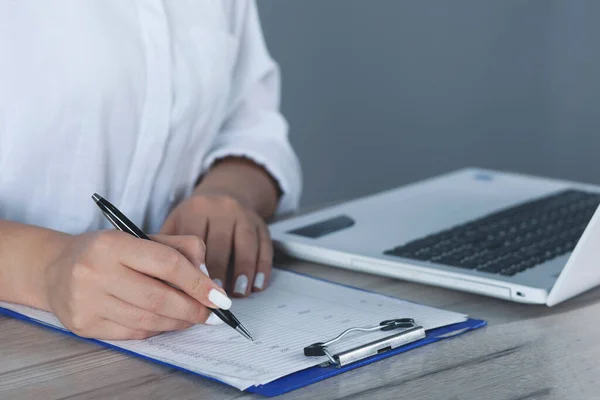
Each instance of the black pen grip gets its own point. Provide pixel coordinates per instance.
(225, 316)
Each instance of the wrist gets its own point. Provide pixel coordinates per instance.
(25, 254)
(209, 191)
(244, 181)
(52, 250)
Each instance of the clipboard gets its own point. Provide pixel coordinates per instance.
(318, 373)
(307, 376)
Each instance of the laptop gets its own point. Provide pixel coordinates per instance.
(511, 236)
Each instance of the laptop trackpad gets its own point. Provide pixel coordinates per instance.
(323, 228)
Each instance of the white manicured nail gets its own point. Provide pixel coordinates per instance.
(213, 320)
(218, 282)
(259, 280)
(219, 299)
(203, 269)
(241, 285)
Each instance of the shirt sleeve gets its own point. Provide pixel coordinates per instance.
(253, 126)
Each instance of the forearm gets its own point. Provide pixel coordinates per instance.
(25, 251)
(243, 180)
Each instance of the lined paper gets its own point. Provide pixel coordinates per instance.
(294, 312)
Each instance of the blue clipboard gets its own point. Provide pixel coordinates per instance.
(301, 378)
(315, 374)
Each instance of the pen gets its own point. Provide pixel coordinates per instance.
(122, 223)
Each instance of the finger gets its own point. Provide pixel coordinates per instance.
(166, 263)
(265, 259)
(139, 319)
(219, 239)
(196, 226)
(191, 246)
(152, 295)
(170, 226)
(245, 255)
(110, 330)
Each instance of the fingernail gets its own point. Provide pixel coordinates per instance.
(203, 269)
(259, 280)
(213, 320)
(219, 299)
(218, 282)
(241, 284)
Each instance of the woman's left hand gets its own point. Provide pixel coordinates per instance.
(231, 231)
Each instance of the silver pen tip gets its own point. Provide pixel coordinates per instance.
(96, 197)
(244, 332)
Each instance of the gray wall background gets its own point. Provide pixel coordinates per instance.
(380, 93)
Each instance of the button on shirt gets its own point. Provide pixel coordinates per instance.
(134, 100)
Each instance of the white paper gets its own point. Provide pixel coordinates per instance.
(293, 313)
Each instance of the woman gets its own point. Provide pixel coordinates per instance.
(169, 109)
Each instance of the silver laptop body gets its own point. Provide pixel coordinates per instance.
(362, 234)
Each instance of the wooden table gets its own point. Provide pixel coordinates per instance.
(526, 352)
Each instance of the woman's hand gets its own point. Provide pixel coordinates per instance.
(231, 230)
(101, 285)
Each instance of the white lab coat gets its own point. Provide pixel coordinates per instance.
(133, 99)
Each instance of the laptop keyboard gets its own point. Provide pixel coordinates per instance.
(511, 240)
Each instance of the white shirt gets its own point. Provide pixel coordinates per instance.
(134, 100)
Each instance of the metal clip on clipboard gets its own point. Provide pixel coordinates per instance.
(412, 333)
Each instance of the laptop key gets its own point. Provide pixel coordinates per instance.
(493, 267)
(467, 263)
(400, 253)
(509, 272)
(421, 256)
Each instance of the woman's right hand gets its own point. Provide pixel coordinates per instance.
(101, 285)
